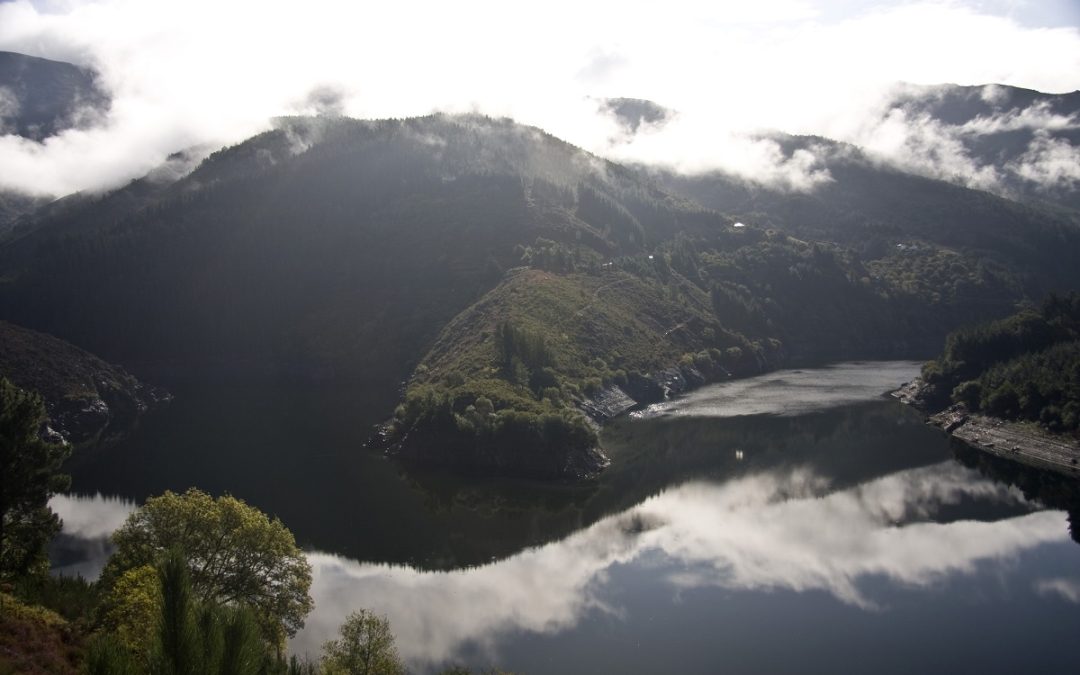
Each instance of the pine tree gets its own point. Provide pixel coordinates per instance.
(29, 477)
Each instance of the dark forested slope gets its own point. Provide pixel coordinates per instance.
(88, 400)
(506, 275)
(323, 247)
(1004, 130)
(947, 244)
(40, 97)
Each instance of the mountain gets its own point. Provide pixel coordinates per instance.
(40, 98)
(1024, 141)
(907, 228)
(515, 284)
(14, 204)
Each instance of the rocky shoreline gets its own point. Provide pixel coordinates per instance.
(1023, 442)
(614, 400)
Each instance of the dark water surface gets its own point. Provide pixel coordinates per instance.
(797, 522)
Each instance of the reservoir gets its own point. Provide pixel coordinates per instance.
(795, 522)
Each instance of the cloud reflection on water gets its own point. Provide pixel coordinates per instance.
(91, 517)
(84, 544)
(770, 531)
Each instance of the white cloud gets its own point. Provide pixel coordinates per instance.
(1049, 162)
(215, 72)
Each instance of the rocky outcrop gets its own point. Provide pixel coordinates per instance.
(89, 401)
(912, 393)
(614, 400)
(606, 404)
(922, 396)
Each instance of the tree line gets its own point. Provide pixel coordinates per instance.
(1024, 367)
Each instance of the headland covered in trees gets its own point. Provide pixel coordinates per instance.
(1012, 387)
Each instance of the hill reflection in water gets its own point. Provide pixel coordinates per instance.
(848, 531)
(770, 531)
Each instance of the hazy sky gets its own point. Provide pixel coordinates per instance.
(198, 72)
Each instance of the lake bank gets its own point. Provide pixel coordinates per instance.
(1024, 442)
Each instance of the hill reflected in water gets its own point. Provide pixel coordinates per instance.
(706, 537)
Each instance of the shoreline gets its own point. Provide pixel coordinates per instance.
(1022, 442)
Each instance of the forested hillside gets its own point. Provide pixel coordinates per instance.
(1003, 130)
(42, 97)
(509, 277)
(88, 401)
(1024, 367)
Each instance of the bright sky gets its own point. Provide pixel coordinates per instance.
(211, 71)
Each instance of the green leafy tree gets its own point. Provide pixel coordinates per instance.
(186, 635)
(236, 555)
(29, 477)
(131, 609)
(366, 647)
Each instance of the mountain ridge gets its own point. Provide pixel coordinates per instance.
(353, 250)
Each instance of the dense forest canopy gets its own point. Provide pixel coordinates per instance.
(1024, 367)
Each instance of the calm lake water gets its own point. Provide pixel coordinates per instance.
(795, 522)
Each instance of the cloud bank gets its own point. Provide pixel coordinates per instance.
(209, 73)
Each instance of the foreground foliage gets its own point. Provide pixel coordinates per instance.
(186, 635)
(235, 554)
(36, 641)
(29, 476)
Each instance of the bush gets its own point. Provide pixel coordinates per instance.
(969, 393)
(592, 386)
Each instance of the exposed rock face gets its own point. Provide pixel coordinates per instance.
(608, 403)
(613, 400)
(88, 400)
